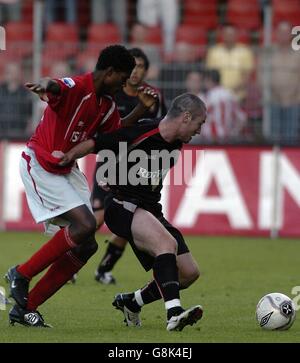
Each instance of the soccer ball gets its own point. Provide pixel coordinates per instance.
(275, 311)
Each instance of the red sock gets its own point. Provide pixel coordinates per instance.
(58, 274)
(46, 255)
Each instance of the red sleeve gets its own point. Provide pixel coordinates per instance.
(70, 88)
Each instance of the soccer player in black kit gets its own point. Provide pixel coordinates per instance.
(133, 211)
(126, 100)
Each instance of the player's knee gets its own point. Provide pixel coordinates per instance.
(92, 248)
(85, 251)
(189, 277)
(87, 227)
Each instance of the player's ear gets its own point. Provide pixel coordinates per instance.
(187, 116)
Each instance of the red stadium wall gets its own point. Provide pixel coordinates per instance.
(226, 191)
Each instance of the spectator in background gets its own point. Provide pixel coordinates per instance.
(225, 119)
(194, 83)
(110, 11)
(233, 60)
(160, 12)
(173, 74)
(53, 8)
(285, 88)
(10, 10)
(15, 104)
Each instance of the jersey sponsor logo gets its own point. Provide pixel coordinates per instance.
(68, 82)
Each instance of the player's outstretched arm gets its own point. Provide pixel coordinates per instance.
(147, 97)
(78, 151)
(44, 86)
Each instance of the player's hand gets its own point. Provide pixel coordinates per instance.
(66, 159)
(39, 89)
(147, 96)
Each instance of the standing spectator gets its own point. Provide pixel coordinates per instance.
(285, 88)
(52, 8)
(15, 104)
(164, 12)
(10, 10)
(233, 60)
(225, 119)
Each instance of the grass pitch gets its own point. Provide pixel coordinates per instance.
(236, 273)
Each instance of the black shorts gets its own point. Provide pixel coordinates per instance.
(98, 194)
(118, 217)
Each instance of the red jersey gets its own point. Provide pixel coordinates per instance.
(70, 118)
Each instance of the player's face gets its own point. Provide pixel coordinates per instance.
(191, 126)
(114, 81)
(138, 74)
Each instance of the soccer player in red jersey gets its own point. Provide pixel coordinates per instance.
(78, 108)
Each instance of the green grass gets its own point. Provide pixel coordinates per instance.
(236, 273)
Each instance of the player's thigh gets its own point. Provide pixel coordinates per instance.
(49, 195)
(150, 235)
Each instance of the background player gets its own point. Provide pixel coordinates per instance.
(133, 210)
(126, 100)
(77, 108)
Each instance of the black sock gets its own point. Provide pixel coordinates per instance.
(166, 276)
(111, 256)
(150, 293)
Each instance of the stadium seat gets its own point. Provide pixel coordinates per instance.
(244, 14)
(61, 41)
(153, 35)
(19, 39)
(101, 35)
(286, 10)
(200, 12)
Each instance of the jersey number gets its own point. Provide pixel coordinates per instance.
(75, 136)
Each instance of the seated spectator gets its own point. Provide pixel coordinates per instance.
(15, 104)
(284, 63)
(173, 74)
(194, 83)
(225, 119)
(234, 61)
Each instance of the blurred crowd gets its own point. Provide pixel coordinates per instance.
(213, 49)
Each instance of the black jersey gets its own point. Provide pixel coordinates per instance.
(126, 104)
(147, 161)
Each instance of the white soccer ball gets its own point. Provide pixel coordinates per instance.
(275, 311)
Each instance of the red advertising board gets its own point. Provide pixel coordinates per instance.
(212, 191)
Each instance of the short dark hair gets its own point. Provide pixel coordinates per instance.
(187, 102)
(116, 56)
(138, 53)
